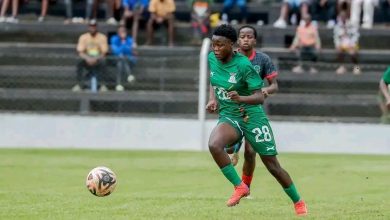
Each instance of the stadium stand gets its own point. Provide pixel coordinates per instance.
(38, 70)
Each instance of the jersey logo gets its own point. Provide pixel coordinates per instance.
(270, 148)
(232, 78)
(257, 68)
(211, 73)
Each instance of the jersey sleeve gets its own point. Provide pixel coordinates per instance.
(386, 76)
(251, 77)
(269, 68)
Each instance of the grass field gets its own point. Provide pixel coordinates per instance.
(50, 184)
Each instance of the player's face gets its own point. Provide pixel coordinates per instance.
(246, 39)
(222, 47)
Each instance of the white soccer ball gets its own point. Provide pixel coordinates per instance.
(101, 181)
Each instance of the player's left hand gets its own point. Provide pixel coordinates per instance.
(233, 95)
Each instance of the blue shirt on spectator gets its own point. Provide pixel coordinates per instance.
(134, 4)
(122, 48)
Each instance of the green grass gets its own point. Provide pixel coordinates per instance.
(50, 184)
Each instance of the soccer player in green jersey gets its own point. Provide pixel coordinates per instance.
(236, 94)
(384, 96)
(263, 65)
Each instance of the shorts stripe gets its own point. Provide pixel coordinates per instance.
(238, 125)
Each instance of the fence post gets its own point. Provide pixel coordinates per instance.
(203, 69)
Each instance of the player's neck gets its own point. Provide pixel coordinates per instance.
(248, 53)
(227, 59)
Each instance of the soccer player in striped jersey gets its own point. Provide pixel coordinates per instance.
(236, 94)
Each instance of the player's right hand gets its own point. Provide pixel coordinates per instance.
(212, 106)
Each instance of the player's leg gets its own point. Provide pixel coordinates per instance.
(273, 166)
(258, 133)
(249, 165)
(233, 152)
(225, 134)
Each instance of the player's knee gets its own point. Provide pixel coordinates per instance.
(214, 146)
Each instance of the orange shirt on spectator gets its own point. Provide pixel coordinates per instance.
(162, 7)
(307, 36)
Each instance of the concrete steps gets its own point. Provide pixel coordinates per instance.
(268, 36)
(38, 77)
(165, 102)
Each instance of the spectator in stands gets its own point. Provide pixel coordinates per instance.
(89, 5)
(122, 48)
(92, 48)
(135, 10)
(4, 8)
(294, 7)
(229, 4)
(344, 5)
(307, 44)
(385, 6)
(346, 40)
(112, 5)
(327, 6)
(200, 21)
(44, 8)
(384, 96)
(368, 12)
(161, 11)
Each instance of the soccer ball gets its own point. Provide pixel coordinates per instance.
(101, 181)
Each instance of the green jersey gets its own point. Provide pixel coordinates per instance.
(236, 75)
(386, 76)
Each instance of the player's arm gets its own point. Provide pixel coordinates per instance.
(256, 98)
(385, 91)
(254, 83)
(212, 104)
(271, 74)
(271, 88)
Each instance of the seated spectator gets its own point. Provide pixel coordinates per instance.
(4, 8)
(346, 40)
(112, 5)
(92, 48)
(200, 21)
(368, 12)
(161, 11)
(384, 96)
(44, 7)
(385, 7)
(229, 4)
(134, 9)
(295, 7)
(69, 12)
(122, 48)
(344, 5)
(327, 6)
(307, 44)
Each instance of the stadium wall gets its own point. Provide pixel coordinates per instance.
(98, 132)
